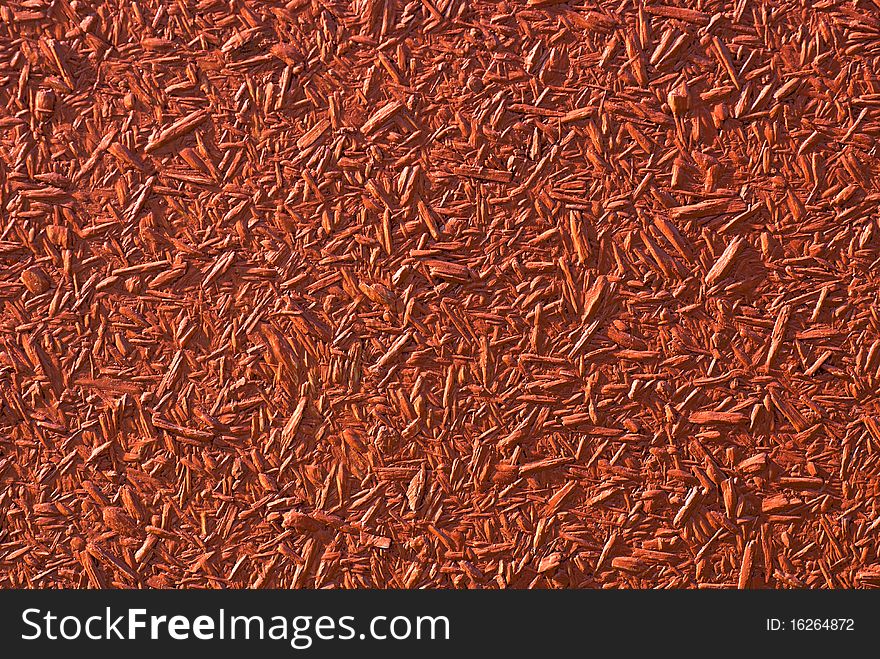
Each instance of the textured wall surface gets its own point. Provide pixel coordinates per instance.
(439, 293)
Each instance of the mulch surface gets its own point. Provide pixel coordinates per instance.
(439, 293)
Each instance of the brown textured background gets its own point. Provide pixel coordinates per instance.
(439, 293)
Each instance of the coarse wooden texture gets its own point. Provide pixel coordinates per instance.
(439, 294)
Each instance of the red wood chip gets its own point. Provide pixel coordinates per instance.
(447, 294)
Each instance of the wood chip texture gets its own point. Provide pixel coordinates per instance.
(439, 293)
